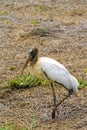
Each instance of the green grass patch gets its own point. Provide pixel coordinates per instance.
(27, 81)
(12, 68)
(35, 22)
(7, 127)
(85, 70)
(83, 83)
(7, 21)
(40, 7)
(4, 12)
(34, 123)
(11, 127)
(44, 31)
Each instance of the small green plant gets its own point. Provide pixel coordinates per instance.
(35, 22)
(42, 39)
(40, 7)
(7, 127)
(7, 21)
(27, 81)
(3, 83)
(85, 70)
(11, 127)
(33, 122)
(83, 83)
(44, 31)
(12, 68)
(4, 12)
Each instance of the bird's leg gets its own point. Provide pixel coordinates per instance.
(54, 96)
(70, 92)
(53, 112)
(54, 100)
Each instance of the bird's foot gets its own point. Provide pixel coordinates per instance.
(53, 112)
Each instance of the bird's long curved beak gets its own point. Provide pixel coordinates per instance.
(26, 62)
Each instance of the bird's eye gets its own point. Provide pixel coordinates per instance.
(31, 52)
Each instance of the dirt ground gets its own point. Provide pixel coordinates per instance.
(59, 29)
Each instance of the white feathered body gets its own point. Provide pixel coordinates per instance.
(55, 72)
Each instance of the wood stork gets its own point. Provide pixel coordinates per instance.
(54, 72)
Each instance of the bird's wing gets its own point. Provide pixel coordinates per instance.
(56, 72)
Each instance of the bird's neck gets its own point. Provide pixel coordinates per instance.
(33, 62)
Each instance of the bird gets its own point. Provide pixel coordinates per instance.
(54, 72)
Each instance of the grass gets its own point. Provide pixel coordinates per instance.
(44, 31)
(40, 7)
(4, 12)
(33, 125)
(3, 83)
(30, 81)
(27, 81)
(35, 22)
(85, 70)
(11, 127)
(42, 39)
(12, 68)
(33, 122)
(83, 83)
(7, 127)
(78, 11)
(7, 22)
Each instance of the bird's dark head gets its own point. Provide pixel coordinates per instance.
(32, 58)
(33, 53)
